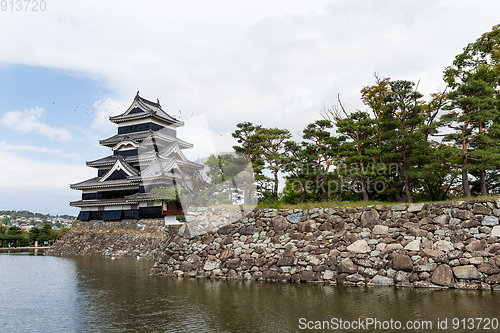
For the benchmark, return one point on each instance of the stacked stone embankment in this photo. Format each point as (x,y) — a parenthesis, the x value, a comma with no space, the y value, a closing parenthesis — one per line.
(126,238)
(435,245)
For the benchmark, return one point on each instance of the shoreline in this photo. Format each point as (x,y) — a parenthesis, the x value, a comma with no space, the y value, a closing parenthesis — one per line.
(25,248)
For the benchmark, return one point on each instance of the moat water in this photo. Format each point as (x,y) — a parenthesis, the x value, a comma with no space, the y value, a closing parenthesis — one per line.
(91,294)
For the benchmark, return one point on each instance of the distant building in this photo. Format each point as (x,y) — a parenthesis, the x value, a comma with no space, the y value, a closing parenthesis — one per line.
(146,154)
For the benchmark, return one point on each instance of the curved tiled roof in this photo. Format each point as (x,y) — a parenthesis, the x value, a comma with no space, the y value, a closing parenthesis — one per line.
(141,136)
(149,109)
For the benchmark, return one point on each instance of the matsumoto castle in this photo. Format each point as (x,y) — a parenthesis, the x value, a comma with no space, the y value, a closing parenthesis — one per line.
(146,154)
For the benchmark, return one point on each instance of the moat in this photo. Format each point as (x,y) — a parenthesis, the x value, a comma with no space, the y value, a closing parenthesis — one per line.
(94,294)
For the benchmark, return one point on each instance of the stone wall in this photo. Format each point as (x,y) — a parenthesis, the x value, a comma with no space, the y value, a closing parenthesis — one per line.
(126,238)
(437,245)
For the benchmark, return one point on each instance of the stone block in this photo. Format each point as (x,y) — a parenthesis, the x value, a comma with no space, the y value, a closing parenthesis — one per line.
(413,245)
(295,218)
(415,208)
(490,221)
(441,219)
(496,231)
(480,209)
(477,245)
(380,280)
(359,246)
(347,266)
(443,276)
(233,263)
(468,272)
(307,226)
(328,275)
(369,218)
(380,230)
(401,262)
(226,254)
(355,278)
(250,230)
(443,245)
(280,224)
(462,214)
(432,253)
(488,269)
(211,265)
(399,207)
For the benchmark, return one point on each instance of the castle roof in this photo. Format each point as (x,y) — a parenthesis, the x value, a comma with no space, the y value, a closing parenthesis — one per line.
(173,150)
(141,136)
(143,108)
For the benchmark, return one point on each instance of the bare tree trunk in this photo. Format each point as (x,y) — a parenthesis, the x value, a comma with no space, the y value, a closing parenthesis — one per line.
(407,190)
(302,192)
(465,182)
(406,180)
(482,178)
(324,193)
(364,194)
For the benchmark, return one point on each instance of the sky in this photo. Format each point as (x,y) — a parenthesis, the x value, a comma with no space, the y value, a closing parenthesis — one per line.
(65,69)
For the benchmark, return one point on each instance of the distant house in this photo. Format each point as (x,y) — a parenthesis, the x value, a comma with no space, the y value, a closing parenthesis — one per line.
(26,227)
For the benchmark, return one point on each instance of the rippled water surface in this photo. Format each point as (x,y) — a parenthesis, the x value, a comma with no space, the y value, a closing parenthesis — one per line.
(89,294)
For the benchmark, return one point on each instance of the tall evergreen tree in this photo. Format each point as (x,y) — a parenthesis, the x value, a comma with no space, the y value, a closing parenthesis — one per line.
(358,147)
(470,115)
(245,135)
(296,168)
(271,150)
(319,148)
(402,117)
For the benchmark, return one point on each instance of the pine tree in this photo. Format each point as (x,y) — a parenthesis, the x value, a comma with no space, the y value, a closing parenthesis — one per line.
(245,135)
(470,114)
(271,150)
(319,148)
(359,147)
(402,116)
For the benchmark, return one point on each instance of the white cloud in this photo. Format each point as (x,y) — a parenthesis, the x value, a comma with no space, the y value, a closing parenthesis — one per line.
(269,63)
(197,131)
(273,63)
(30,174)
(103,110)
(35,149)
(28,121)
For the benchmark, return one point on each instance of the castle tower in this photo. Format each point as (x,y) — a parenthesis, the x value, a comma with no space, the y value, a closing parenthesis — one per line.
(146,154)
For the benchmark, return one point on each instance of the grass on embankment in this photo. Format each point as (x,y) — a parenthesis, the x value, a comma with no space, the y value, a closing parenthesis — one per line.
(332,204)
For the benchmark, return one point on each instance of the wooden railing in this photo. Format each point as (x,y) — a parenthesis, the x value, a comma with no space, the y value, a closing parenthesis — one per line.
(177,211)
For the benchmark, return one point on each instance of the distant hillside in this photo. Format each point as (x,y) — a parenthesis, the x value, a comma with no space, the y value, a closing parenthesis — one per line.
(12,214)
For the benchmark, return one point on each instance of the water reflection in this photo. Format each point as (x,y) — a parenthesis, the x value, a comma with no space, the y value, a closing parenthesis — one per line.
(86,294)
(134,301)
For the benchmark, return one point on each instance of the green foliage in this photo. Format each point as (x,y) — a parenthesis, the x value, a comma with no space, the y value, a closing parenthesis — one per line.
(271,151)
(319,149)
(33,234)
(167,194)
(479,61)
(471,115)
(359,149)
(393,143)
(402,117)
